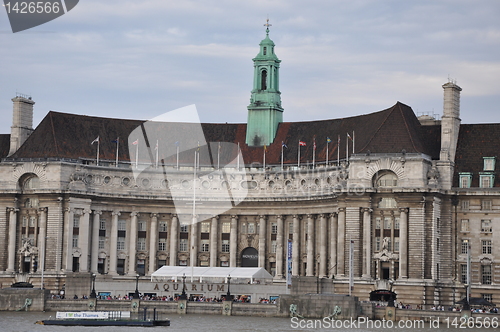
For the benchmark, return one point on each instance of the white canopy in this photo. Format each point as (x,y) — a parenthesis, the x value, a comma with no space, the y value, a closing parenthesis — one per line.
(207,273)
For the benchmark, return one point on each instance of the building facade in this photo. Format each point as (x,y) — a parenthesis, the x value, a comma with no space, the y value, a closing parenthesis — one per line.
(408,195)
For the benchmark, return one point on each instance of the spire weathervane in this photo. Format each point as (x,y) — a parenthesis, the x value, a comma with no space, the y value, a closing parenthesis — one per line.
(267,25)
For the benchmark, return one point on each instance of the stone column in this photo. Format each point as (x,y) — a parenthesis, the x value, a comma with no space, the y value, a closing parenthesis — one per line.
(132,248)
(68,230)
(153,242)
(11,261)
(94,257)
(83,240)
(113,242)
(367,242)
(174,236)
(213,241)
(279,247)
(323,234)
(333,244)
(233,242)
(310,246)
(194,242)
(296,246)
(42,238)
(403,243)
(262,241)
(341,243)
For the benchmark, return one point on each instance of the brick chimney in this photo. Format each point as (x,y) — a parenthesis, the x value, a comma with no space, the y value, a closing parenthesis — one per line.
(22,123)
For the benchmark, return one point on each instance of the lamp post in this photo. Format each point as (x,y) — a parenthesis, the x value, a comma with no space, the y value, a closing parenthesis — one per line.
(228,295)
(183,294)
(92,293)
(136,293)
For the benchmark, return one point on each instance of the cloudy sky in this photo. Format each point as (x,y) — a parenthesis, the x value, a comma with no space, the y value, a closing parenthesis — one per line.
(138,59)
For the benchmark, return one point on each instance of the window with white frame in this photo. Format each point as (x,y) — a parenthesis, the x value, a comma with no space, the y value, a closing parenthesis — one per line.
(486,180)
(102,242)
(141,243)
(488,297)
(464,225)
(377,243)
(387,223)
(25,221)
(486,204)
(396,223)
(489,163)
(396,244)
(184,228)
(102,224)
(463,273)
(274,228)
(76,221)
(377,223)
(122,225)
(486,274)
(141,225)
(225,246)
(226,227)
(183,245)
(464,246)
(251,228)
(205,245)
(486,247)
(32,221)
(464,205)
(162,244)
(75,241)
(163,226)
(465,179)
(243,228)
(273,246)
(205,227)
(485,226)
(120,243)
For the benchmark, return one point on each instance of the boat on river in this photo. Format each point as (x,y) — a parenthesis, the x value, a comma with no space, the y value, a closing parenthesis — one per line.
(103,318)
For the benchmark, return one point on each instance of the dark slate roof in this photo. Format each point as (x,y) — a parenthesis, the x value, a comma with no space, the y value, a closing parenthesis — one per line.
(4,145)
(62,135)
(476,141)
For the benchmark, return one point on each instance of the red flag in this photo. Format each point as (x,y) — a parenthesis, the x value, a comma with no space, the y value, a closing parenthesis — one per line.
(135,142)
(302,143)
(314,144)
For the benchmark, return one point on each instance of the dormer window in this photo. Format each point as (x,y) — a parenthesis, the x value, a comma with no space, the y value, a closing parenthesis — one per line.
(486,180)
(489,163)
(465,179)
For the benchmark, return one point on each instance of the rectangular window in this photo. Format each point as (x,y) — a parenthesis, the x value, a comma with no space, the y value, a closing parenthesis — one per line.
(463,273)
(377,223)
(183,245)
(396,244)
(290,228)
(163,226)
(273,246)
(225,246)
(465,180)
(122,225)
(487,297)
(486,274)
(162,245)
(486,226)
(76,221)
(102,242)
(141,243)
(486,205)
(120,244)
(141,225)
(75,241)
(32,221)
(464,246)
(396,223)
(184,228)
(486,180)
(243,228)
(486,246)
(464,205)
(387,223)
(205,227)
(488,163)
(251,228)
(25,221)
(464,225)
(438,246)
(377,244)
(102,224)
(274,228)
(438,224)
(205,245)
(226,227)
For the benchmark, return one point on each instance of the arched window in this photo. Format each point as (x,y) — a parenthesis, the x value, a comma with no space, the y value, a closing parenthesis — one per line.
(385,179)
(29,182)
(263,81)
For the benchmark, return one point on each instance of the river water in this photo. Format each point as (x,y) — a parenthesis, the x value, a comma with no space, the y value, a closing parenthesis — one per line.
(24,322)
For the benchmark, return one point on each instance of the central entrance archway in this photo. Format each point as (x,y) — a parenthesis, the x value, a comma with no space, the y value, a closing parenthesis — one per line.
(249,257)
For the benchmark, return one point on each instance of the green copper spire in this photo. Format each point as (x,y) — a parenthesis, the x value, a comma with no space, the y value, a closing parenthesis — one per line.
(265,111)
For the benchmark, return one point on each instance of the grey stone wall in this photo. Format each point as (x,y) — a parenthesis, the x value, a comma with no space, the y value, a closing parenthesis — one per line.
(12,299)
(320,305)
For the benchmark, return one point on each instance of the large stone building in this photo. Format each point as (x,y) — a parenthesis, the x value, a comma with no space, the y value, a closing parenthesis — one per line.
(410,194)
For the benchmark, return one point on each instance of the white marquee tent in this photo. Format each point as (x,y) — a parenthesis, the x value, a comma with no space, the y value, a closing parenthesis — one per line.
(214,274)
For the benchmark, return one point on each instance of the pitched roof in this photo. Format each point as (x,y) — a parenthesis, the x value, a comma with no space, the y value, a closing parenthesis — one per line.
(62,135)
(4,145)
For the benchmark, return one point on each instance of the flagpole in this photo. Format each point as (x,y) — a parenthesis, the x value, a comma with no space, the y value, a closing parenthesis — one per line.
(347,148)
(264,169)
(218,157)
(338,151)
(177,156)
(326,164)
(238,160)
(98,144)
(298,157)
(353,142)
(281,155)
(137,154)
(117,145)
(351,266)
(156,164)
(194,209)
(314,152)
